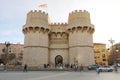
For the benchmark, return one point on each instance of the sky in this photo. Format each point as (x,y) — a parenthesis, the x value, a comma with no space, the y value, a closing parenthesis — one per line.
(105,16)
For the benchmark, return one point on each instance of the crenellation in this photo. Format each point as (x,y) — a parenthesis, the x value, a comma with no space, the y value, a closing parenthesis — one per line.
(35,11)
(58,24)
(37,18)
(79,17)
(85,11)
(76,11)
(79,11)
(31,11)
(62,23)
(38,11)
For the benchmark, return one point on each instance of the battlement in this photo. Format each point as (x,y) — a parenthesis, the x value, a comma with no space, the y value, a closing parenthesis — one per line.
(37,11)
(37,18)
(37,15)
(58,24)
(79,18)
(79,11)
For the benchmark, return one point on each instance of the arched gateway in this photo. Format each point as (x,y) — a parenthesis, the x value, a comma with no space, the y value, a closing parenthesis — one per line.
(58,60)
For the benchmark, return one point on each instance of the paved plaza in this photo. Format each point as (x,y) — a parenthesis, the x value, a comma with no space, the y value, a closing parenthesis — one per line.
(58,75)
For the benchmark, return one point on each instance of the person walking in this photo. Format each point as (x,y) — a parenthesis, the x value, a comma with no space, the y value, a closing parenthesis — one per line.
(98,71)
(81,67)
(25,68)
(115,67)
(5,67)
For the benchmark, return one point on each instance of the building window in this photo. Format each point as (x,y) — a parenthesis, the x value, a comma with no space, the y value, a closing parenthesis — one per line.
(103,63)
(103,55)
(103,50)
(104,59)
(14,50)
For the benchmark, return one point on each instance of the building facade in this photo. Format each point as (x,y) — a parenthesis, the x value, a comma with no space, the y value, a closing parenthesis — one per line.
(58,43)
(114,56)
(101,54)
(14,51)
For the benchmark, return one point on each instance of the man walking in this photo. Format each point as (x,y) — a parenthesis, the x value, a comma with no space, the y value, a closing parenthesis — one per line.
(25,68)
(98,71)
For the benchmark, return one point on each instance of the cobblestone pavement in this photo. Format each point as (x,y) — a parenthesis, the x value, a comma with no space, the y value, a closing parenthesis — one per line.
(59,75)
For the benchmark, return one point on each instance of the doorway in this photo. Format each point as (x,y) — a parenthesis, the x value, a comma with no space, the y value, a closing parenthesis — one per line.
(58,60)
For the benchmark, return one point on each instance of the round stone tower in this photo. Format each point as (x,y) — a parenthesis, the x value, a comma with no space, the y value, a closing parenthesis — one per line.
(36,41)
(80,32)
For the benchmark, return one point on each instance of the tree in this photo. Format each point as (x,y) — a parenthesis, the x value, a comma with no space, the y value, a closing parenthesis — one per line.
(1,61)
(3,58)
(11,56)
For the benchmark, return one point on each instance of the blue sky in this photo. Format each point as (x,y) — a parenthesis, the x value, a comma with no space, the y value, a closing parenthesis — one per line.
(105,15)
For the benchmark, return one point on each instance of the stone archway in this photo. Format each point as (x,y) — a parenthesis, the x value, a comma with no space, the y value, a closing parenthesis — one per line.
(58,60)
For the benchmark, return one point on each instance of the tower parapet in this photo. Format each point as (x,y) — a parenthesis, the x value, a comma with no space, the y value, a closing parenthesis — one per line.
(37,18)
(79,18)
(37,21)
(58,27)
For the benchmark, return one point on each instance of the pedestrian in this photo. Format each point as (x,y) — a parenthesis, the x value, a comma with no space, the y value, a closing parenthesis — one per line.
(75,67)
(5,67)
(115,67)
(81,67)
(98,71)
(25,68)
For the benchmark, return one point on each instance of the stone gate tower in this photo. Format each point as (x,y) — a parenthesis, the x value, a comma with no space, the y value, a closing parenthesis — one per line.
(58,43)
(36,41)
(80,32)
